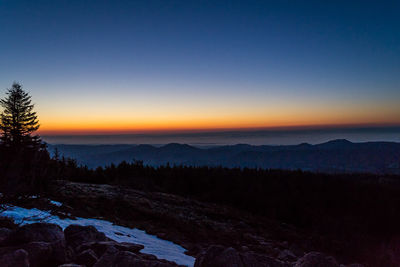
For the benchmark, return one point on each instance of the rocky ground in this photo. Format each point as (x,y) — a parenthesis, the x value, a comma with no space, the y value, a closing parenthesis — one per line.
(43,244)
(215,235)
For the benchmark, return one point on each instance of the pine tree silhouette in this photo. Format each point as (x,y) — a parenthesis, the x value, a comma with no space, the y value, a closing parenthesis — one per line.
(18,120)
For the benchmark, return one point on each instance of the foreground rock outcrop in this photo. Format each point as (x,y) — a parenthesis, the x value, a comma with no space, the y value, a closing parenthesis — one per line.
(11,257)
(316,259)
(44,243)
(213,234)
(218,256)
(47,245)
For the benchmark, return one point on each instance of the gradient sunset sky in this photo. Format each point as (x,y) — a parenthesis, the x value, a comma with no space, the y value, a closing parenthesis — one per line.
(132,66)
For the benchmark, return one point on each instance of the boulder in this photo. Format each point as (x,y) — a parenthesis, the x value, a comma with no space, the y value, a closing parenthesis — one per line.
(4,234)
(71,265)
(76,235)
(107,258)
(316,259)
(40,254)
(218,256)
(287,255)
(45,254)
(11,257)
(148,256)
(251,259)
(8,223)
(125,246)
(87,258)
(36,232)
(123,258)
(114,258)
(39,238)
(100,247)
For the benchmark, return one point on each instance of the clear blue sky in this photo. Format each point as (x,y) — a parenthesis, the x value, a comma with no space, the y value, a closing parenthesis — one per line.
(149,65)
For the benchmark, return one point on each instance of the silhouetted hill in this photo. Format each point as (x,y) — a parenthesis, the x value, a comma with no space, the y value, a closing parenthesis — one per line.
(332,156)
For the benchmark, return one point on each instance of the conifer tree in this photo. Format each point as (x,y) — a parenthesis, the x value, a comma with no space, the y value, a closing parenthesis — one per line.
(18,120)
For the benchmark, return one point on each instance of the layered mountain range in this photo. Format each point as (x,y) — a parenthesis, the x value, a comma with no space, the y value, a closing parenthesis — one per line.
(333,157)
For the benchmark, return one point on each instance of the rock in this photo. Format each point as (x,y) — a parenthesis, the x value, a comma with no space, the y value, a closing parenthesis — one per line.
(4,234)
(71,265)
(36,232)
(107,258)
(251,259)
(45,254)
(87,258)
(148,257)
(125,246)
(76,235)
(40,254)
(316,259)
(287,255)
(8,223)
(11,257)
(245,248)
(296,250)
(100,247)
(36,238)
(70,254)
(218,256)
(114,258)
(122,258)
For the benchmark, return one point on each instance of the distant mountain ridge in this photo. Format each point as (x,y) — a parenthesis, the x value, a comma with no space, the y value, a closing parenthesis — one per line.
(334,156)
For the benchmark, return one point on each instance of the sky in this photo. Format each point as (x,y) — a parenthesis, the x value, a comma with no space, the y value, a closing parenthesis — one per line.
(148,66)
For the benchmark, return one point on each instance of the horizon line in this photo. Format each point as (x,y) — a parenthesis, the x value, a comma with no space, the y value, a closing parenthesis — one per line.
(215,130)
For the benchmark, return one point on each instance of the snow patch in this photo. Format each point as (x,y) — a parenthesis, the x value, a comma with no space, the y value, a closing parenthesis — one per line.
(162,249)
(56,203)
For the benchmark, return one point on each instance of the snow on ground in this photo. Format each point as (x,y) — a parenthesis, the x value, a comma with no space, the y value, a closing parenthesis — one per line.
(162,249)
(56,203)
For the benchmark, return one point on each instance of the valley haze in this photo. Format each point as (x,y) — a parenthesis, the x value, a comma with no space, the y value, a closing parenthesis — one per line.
(333,150)
(336,156)
(275,136)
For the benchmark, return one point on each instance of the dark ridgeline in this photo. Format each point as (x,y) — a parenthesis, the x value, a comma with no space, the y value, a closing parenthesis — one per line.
(22,154)
(336,156)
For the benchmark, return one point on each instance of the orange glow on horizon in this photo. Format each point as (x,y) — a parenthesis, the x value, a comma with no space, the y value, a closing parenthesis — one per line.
(162,129)
(171,117)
